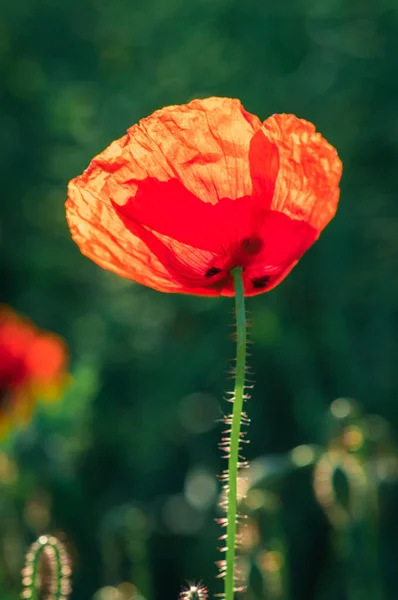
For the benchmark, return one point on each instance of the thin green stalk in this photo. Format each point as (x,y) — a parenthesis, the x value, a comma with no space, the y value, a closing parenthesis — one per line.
(233,459)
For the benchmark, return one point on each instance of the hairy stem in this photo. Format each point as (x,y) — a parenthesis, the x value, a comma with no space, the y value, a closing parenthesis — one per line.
(233,459)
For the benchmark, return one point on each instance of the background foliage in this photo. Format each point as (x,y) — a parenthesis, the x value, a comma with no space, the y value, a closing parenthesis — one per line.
(125,467)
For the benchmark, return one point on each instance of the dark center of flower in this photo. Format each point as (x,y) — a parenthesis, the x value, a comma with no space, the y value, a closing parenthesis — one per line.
(212,271)
(241,256)
(260,282)
(251,245)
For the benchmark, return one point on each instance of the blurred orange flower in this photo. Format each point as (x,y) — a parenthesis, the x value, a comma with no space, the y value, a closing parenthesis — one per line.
(33,366)
(195,190)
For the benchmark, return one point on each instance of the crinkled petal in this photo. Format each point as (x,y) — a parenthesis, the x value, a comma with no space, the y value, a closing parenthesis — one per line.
(103,236)
(203,144)
(187,194)
(161,175)
(307,186)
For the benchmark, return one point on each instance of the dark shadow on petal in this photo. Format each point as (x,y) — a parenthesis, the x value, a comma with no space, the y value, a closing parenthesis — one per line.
(264,168)
(188,268)
(285,239)
(168,208)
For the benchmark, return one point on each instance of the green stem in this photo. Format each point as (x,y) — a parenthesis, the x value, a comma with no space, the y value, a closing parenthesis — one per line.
(57,578)
(233,460)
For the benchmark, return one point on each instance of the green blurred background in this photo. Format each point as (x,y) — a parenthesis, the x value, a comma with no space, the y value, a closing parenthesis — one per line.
(124,468)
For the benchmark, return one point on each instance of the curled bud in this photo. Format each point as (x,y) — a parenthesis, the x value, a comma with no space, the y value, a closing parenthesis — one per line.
(47,568)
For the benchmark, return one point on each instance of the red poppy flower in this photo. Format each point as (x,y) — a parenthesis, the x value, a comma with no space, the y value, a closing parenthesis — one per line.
(32,366)
(195,190)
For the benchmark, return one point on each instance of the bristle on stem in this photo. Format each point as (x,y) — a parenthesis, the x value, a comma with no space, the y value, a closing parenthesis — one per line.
(231,445)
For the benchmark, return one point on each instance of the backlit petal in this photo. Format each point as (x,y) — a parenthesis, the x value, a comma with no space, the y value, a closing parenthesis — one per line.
(103,236)
(203,144)
(307,186)
(195,190)
(161,175)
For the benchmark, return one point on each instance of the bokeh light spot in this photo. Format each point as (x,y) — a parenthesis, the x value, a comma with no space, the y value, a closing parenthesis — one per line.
(200,488)
(302,455)
(341,408)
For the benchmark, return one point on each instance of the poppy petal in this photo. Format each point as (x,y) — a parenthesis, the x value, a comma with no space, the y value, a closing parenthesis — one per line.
(194,190)
(31,362)
(200,151)
(203,144)
(264,168)
(166,207)
(102,236)
(285,240)
(307,186)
